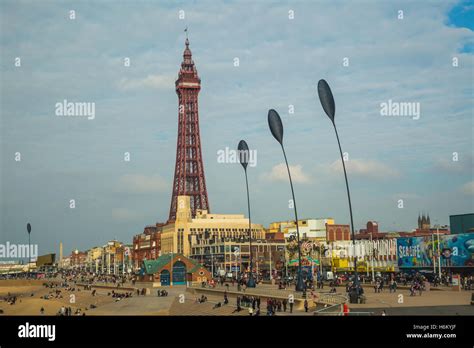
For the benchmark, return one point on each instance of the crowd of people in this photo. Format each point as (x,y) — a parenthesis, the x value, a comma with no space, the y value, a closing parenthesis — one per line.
(253,304)
(118,296)
(10,299)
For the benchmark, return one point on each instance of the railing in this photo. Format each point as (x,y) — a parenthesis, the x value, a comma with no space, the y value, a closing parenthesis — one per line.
(333,299)
(341,314)
(360,313)
(331,310)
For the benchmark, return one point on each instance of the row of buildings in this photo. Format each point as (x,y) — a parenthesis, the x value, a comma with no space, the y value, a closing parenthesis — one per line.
(220,242)
(112,258)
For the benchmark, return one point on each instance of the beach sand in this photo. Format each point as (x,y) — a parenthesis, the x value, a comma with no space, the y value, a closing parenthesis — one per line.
(106,305)
(31,305)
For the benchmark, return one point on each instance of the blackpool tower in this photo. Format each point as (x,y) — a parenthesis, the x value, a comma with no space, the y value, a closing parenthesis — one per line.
(189,177)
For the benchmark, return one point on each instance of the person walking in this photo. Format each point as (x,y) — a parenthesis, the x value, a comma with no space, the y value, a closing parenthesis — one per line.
(306,305)
(345,309)
(291,302)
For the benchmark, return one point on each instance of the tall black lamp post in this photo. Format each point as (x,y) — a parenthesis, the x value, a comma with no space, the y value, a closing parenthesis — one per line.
(327,102)
(276,127)
(28,228)
(243,151)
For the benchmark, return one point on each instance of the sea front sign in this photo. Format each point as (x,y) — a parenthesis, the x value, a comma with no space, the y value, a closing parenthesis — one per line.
(455,250)
(406,251)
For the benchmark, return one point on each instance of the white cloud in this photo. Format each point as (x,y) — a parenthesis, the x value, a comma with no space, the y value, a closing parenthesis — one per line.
(280,173)
(468,188)
(463,164)
(365,168)
(136,183)
(151,81)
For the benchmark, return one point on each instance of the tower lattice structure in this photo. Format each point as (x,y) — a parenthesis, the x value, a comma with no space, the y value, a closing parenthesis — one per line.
(189,177)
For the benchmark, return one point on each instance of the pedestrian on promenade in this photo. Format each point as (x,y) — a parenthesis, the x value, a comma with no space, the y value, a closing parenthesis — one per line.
(393,286)
(250,311)
(291,302)
(345,309)
(306,305)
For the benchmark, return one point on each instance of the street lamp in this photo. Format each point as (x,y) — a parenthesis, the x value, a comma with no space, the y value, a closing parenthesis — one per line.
(28,228)
(244,155)
(276,127)
(327,102)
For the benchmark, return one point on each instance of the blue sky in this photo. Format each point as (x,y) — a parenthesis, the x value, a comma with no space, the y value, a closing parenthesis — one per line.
(281,61)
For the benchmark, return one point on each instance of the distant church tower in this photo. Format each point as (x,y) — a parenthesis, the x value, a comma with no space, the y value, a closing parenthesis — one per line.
(424,222)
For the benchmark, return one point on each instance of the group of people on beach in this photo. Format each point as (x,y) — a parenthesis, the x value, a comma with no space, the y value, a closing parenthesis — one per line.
(10,299)
(118,296)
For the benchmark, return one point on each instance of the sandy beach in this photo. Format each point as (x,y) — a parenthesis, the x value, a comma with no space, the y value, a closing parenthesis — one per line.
(30,299)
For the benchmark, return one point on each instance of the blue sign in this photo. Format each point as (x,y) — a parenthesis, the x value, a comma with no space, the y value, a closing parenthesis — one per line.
(455,251)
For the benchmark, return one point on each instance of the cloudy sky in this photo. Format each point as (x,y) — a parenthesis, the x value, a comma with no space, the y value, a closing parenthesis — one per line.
(283,49)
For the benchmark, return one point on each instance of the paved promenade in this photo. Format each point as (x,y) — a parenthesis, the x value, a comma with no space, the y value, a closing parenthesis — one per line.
(182,300)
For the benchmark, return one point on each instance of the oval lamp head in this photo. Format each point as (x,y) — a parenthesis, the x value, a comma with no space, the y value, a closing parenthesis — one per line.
(326,98)
(243,150)
(28,227)
(276,127)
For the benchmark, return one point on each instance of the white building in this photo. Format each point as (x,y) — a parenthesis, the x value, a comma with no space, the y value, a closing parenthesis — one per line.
(313,229)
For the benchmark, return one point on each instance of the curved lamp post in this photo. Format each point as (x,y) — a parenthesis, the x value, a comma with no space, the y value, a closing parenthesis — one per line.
(327,102)
(243,151)
(276,127)
(28,228)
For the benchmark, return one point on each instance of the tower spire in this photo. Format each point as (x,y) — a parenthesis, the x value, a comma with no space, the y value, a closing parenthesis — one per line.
(189,177)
